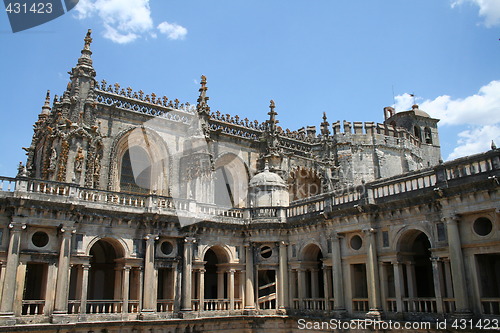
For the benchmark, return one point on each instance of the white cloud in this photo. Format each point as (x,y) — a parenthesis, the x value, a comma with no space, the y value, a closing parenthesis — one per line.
(489,9)
(479,112)
(123,20)
(476,140)
(172,30)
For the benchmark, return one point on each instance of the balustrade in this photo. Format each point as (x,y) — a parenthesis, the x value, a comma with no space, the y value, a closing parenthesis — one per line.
(165,305)
(104,306)
(360,304)
(33,307)
(420,304)
(490,305)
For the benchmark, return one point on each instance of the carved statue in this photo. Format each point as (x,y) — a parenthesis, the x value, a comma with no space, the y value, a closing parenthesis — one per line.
(79,160)
(53,159)
(97,165)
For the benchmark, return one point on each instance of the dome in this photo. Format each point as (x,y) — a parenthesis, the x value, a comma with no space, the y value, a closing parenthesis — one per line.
(267,178)
(419,112)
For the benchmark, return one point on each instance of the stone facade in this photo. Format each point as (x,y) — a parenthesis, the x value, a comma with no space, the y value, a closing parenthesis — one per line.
(136,207)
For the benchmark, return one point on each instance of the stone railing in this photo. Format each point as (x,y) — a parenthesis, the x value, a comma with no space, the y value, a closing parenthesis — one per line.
(314,303)
(165,305)
(7,184)
(490,305)
(360,304)
(33,307)
(420,304)
(170,111)
(410,183)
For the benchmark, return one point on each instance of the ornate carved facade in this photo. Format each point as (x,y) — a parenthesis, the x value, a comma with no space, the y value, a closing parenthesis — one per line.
(139,207)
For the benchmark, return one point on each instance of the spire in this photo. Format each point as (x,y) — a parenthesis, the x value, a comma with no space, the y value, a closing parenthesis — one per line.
(272,117)
(46,106)
(202,106)
(493,145)
(324,126)
(86,53)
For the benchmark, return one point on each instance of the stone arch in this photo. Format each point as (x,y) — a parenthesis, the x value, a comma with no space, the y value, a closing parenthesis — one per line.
(156,149)
(223,253)
(231,179)
(427,135)
(119,245)
(310,251)
(407,235)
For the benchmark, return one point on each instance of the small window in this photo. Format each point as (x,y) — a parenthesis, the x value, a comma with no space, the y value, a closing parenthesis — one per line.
(356,242)
(266,252)
(40,239)
(294,250)
(167,248)
(483,226)
(385,238)
(416,131)
(441,233)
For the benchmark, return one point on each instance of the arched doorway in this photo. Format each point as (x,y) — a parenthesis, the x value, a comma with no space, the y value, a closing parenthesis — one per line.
(219,290)
(311,281)
(418,290)
(104,280)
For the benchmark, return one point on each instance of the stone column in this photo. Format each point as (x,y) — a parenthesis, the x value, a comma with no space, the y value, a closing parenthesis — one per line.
(372,274)
(249,289)
(139,287)
(20,284)
(187,274)
(2,275)
(338,284)
(314,283)
(302,286)
(9,287)
(85,284)
(201,290)
(220,284)
(242,289)
(283,276)
(410,275)
(398,285)
(230,282)
(150,283)
(125,287)
(117,293)
(293,287)
(327,283)
(447,276)
(457,266)
(383,284)
(63,271)
(438,290)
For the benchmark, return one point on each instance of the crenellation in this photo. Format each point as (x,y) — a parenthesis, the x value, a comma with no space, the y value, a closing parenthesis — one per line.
(347,127)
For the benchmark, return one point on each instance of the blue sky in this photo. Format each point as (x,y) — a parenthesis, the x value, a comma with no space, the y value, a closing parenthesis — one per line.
(343,57)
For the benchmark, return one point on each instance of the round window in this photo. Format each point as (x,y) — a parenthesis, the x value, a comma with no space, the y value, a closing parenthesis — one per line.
(166,248)
(266,252)
(356,242)
(482,226)
(40,239)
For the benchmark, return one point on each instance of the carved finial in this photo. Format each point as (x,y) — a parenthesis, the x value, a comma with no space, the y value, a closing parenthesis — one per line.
(88,40)
(272,114)
(325,131)
(46,105)
(493,145)
(21,170)
(202,105)
(86,53)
